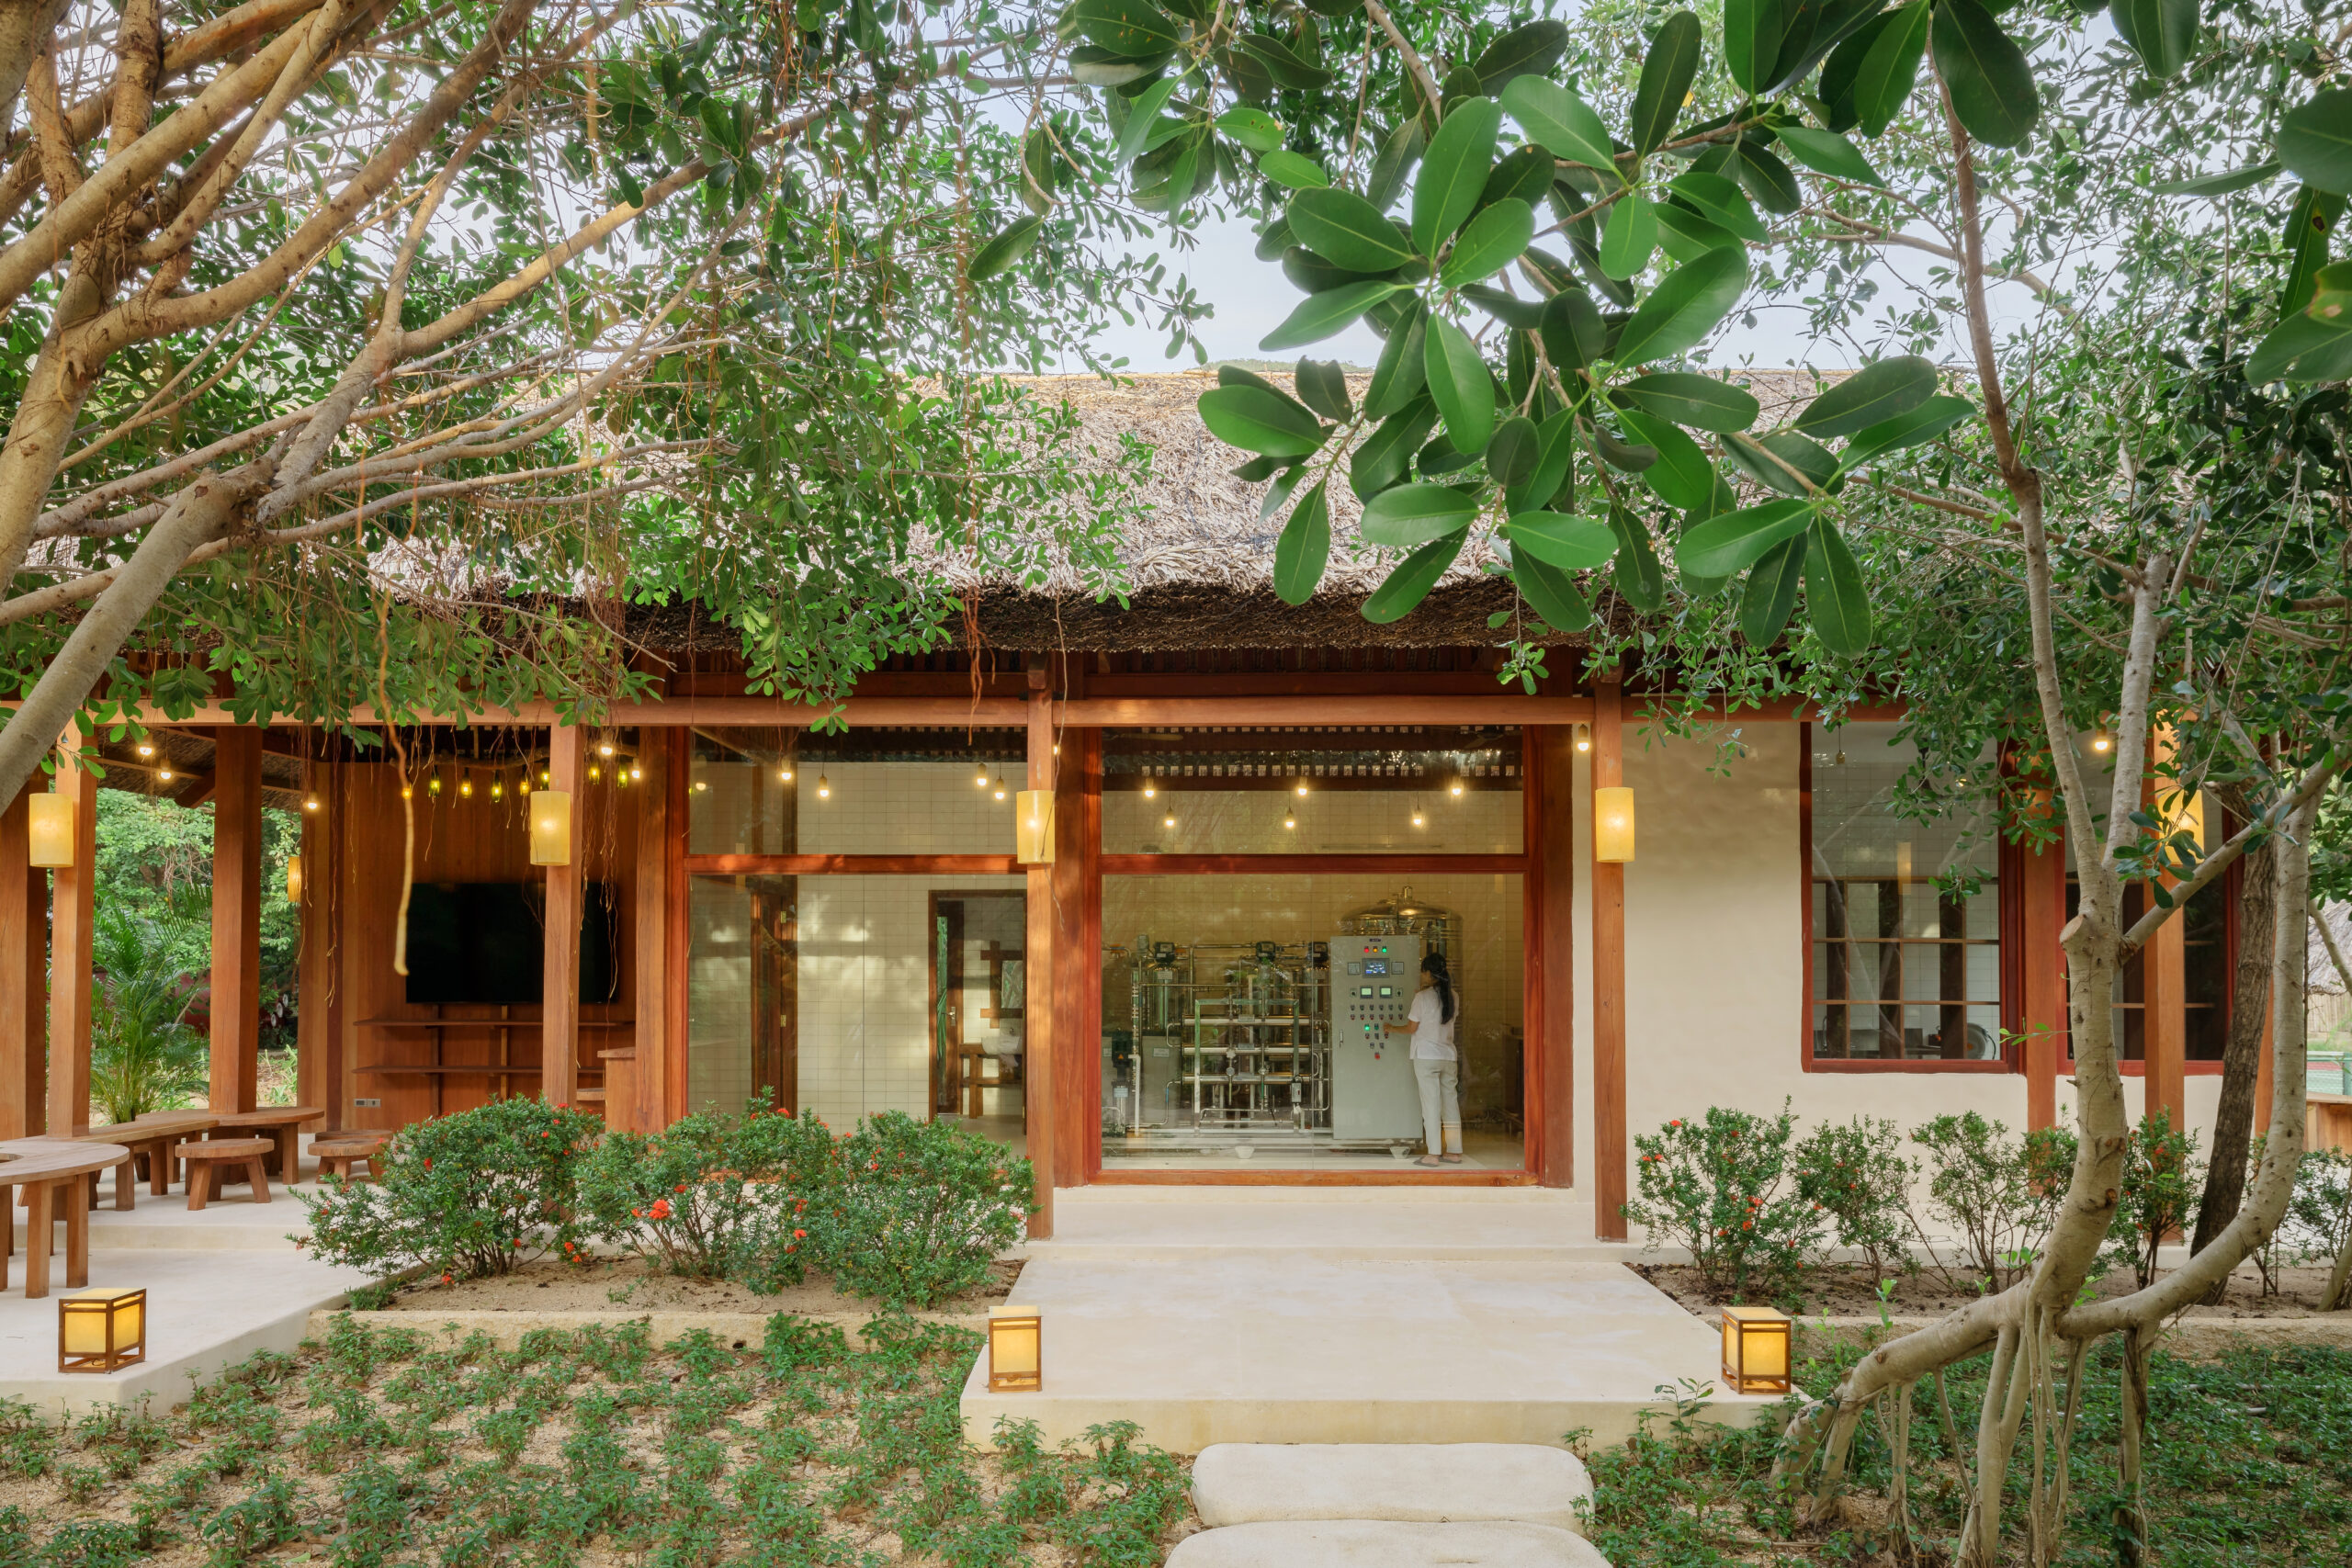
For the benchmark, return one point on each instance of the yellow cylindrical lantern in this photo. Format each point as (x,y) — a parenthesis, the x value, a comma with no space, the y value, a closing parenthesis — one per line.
(1016,1348)
(1612,824)
(293,879)
(98,1331)
(552,828)
(1034,827)
(1756,1349)
(49,829)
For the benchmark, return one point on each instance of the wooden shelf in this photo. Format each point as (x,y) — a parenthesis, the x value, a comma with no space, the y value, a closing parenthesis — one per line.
(436,1070)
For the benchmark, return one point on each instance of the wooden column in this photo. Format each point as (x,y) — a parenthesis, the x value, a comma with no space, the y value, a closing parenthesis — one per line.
(1549,752)
(2165,993)
(318,1020)
(236,919)
(73,915)
(633,1089)
(1076,1093)
(24,975)
(1609,1146)
(1039,1056)
(2042,1013)
(559,1006)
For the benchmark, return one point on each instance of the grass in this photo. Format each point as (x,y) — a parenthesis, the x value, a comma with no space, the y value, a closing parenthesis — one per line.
(2250,1459)
(377,1447)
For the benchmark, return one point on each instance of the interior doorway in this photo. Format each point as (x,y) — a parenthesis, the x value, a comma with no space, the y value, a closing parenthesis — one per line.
(978,1006)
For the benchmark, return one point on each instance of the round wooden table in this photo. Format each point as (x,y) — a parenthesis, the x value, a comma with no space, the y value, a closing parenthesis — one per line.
(152,1136)
(52,1170)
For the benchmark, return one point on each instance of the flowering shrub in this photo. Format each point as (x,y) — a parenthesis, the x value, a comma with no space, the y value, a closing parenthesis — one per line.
(463,1196)
(1858,1177)
(1997,1193)
(714,1196)
(2162,1179)
(1721,1187)
(920,1210)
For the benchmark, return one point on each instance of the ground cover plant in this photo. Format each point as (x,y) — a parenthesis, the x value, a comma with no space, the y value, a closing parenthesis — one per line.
(374,1446)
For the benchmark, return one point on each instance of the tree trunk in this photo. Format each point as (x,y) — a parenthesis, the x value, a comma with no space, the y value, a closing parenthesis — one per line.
(2242,1054)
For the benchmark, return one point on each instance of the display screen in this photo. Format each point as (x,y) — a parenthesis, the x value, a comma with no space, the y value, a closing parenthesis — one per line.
(1387,991)
(1375,966)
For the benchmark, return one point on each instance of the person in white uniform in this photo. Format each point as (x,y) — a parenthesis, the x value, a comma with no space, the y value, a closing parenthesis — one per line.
(1437,1065)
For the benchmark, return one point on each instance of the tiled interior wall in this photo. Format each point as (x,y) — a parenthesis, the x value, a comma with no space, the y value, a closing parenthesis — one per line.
(1486,818)
(870,808)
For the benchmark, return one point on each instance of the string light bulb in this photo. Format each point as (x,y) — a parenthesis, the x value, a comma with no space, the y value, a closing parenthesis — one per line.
(2102,743)
(498,789)
(1150,790)
(165,773)
(310,803)
(635,771)
(604,747)
(1000,784)
(824,787)
(1418,819)
(433,783)
(1168,821)
(407,794)
(146,748)
(594,772)
(1584,737)
(466,788)
(784,775)
(1299,788)
(1290,820)
(980,778)
(523,787)
(1455,788)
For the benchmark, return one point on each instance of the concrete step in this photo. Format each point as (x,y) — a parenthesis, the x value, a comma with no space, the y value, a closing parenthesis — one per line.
(1365,1543)
(1522,1224)
(1240,1484)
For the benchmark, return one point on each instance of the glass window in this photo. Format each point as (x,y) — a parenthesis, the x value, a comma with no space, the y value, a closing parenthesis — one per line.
(870,790)
(1244,1018)
(1432,789)
(1906,937)
(851,995)
(2206,971)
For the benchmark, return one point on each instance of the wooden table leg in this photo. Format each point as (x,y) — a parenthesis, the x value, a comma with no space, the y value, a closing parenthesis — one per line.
(289,1155)
(260,1174)
(126,1185)
(200,1182)
(39,1237)
(159,1167)
(77,1240)
(7,1233)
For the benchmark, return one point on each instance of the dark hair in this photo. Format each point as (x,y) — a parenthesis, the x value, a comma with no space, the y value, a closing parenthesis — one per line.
(1433,966)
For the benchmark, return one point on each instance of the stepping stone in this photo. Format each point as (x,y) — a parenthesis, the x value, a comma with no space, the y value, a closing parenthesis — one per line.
(1239,1483)
(1378,1543)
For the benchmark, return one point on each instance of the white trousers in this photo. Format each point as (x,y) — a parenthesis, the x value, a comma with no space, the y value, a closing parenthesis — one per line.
(1441,1086)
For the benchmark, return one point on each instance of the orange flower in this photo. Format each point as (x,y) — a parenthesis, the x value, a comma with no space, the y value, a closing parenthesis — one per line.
(661,1208)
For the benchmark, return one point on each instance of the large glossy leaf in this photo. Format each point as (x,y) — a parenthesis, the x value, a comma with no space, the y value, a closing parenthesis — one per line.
(1512,453)
(1788,462)
(2300,349)
(1869,396)
(1526,315)
(1001,252)
(1682,310)
(1826,152)
(1836,599)
(1143,118)
(1399,376)
(1489,243)
(1770,182)
(1771,595)
(2310,224)
(1311,274)
(1327,314)
(1636,571)
(1414,514)
(1912,428)
(1454,171)
(1125,27)
(1394,159)
(1810,29)
(1560,122)
(2227,183)
(1751,40)
(1530,49)
(1890,69)
(1285,64)
(1721,203)
(1630,237)
(1410,583)
(1573,332)
(1349,230)
(1666,71)
(2315,141)
(1685,236)
(1571,544)
(1702,402)
(1260,420)
(1293,170)
(1304,548)
(1461,384)
(1549,593)
(1683,476)
(1556,448)
(1736,540)
(1100,67)
(1253,129)
(1380,460)
(1323,387)
(1986,73)
(2161,32)
(1630,457)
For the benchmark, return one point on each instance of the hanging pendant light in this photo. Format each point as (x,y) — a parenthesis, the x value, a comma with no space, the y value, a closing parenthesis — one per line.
(824,787)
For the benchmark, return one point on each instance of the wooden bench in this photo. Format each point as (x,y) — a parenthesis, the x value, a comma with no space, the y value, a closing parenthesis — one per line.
(147,1138)
(281,1122)
(253,1153)
(336,1153)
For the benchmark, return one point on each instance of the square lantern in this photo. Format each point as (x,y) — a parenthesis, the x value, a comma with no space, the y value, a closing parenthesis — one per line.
(1016,1350)
(49,829)
(1612,824)
(552,828)
(101,1330)
(1756,1349)
(1034,827)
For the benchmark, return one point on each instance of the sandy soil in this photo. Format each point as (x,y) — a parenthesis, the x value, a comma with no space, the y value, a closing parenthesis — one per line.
(626,1285)
(1850,1291)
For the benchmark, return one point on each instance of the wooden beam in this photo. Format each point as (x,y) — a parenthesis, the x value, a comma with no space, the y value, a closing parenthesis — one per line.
(1609,1146)
(1549,895)
(235,1076)
(1318,712)
(318,1002)
(24,975)
(639,1107)
(72,931)
(1076,1093)
(1038,1064)
(198,792)
(559,1006)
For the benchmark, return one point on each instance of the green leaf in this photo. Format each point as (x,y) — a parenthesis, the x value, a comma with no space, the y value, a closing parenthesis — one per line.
(1530,49)
(1570,544)
(1766,178)
(1235,375)
(1572,332)
(1311,274)
(1869,396)
(1639,579)
(2310,224)
(1555,449)
(1526,315)
(1550,595)
(1253,129)
(1323,387)
(1131,28)
(1293,170)
(1720,201)
(1736,540)
(1303,550)
(1770,597)
(1512,453)
(1751,40)
(1826,152)
(1525,172)
(1811,29)
(1683,476)
(2222,184)
(1380,460)
(1143,118)
(1010,244)
(1491,242)
(1914,428)
(1396,157)
(1631,457)
(1350,231)
(1702,402)
(1685,236)
(2300,349)
(1561,123)
(1890,69)
(1327,314)
(1098,67)
(1788,462)
(1987,74)
(2315,141)
(1454,172)
(1399,377)
(1836,599)
(1682,310)
(1631,236)
(2162,33)
(1286,65)
(1414,514)
(1278,493)
(1666,71)
(1411,581)
(1462,386)
(1256,419)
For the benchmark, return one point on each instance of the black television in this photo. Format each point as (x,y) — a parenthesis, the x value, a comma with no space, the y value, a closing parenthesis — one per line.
(484,943)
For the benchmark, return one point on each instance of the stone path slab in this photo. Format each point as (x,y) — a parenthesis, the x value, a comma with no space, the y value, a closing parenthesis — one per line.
(1362,1543)
(1239,1483)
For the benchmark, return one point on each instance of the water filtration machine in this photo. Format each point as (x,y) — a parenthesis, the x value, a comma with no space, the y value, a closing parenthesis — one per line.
(1373,980)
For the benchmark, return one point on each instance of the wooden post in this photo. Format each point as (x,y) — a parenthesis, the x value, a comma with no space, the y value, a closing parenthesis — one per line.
(318,1002)
(559,1006)
(236,919)
(633,1096)
(24,975)
(71,931)
(1037,1049)
(1549,778)
(1609,1147)
(1075,1091)
(2042,1007)
(2165,996)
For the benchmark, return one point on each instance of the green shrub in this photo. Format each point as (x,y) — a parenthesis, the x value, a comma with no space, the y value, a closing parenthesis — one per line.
(1721,1187)
(463,1196)
(713,1196)
(1855,1174)
(245,1530)
(2162,1180)
(1981,1185)
(920,1210)
(2318,1222)
(143,1054)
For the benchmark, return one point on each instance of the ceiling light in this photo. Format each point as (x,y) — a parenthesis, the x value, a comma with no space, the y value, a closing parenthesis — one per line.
(824,787)
(1167,822)
(1457,788)
(1290,818)
(1584,737)
(498,789)
(165,773)
(1150,790)
(311,802)
(1418,819)
(433,783)
(784,775)
(980,778)
(466,788)
(146,748)
(604,749)
(1300,788)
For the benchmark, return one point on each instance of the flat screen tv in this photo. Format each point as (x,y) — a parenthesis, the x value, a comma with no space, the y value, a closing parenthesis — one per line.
(484,943)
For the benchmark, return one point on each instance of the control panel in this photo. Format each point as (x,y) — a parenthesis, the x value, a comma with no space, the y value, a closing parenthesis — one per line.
(1372,981)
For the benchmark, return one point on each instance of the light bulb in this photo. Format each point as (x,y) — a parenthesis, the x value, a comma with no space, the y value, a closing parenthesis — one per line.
(1584,737)
(1167,822)
(146,748)
(407,794)
(498,789)
(1301,786)
(1290,820)
(545,778)
(1416,819)
(433,784)
(1456,788)
(701,784)
(466,788)
(523,785)
(824,787)
(2102,743)
(594,772)
(784,775)
(1150,790)
(165,773)
(604,749)
(980,779)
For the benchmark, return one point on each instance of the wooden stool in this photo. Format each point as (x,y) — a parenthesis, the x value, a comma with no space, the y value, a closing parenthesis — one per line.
(339,1154)
(250,1153)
